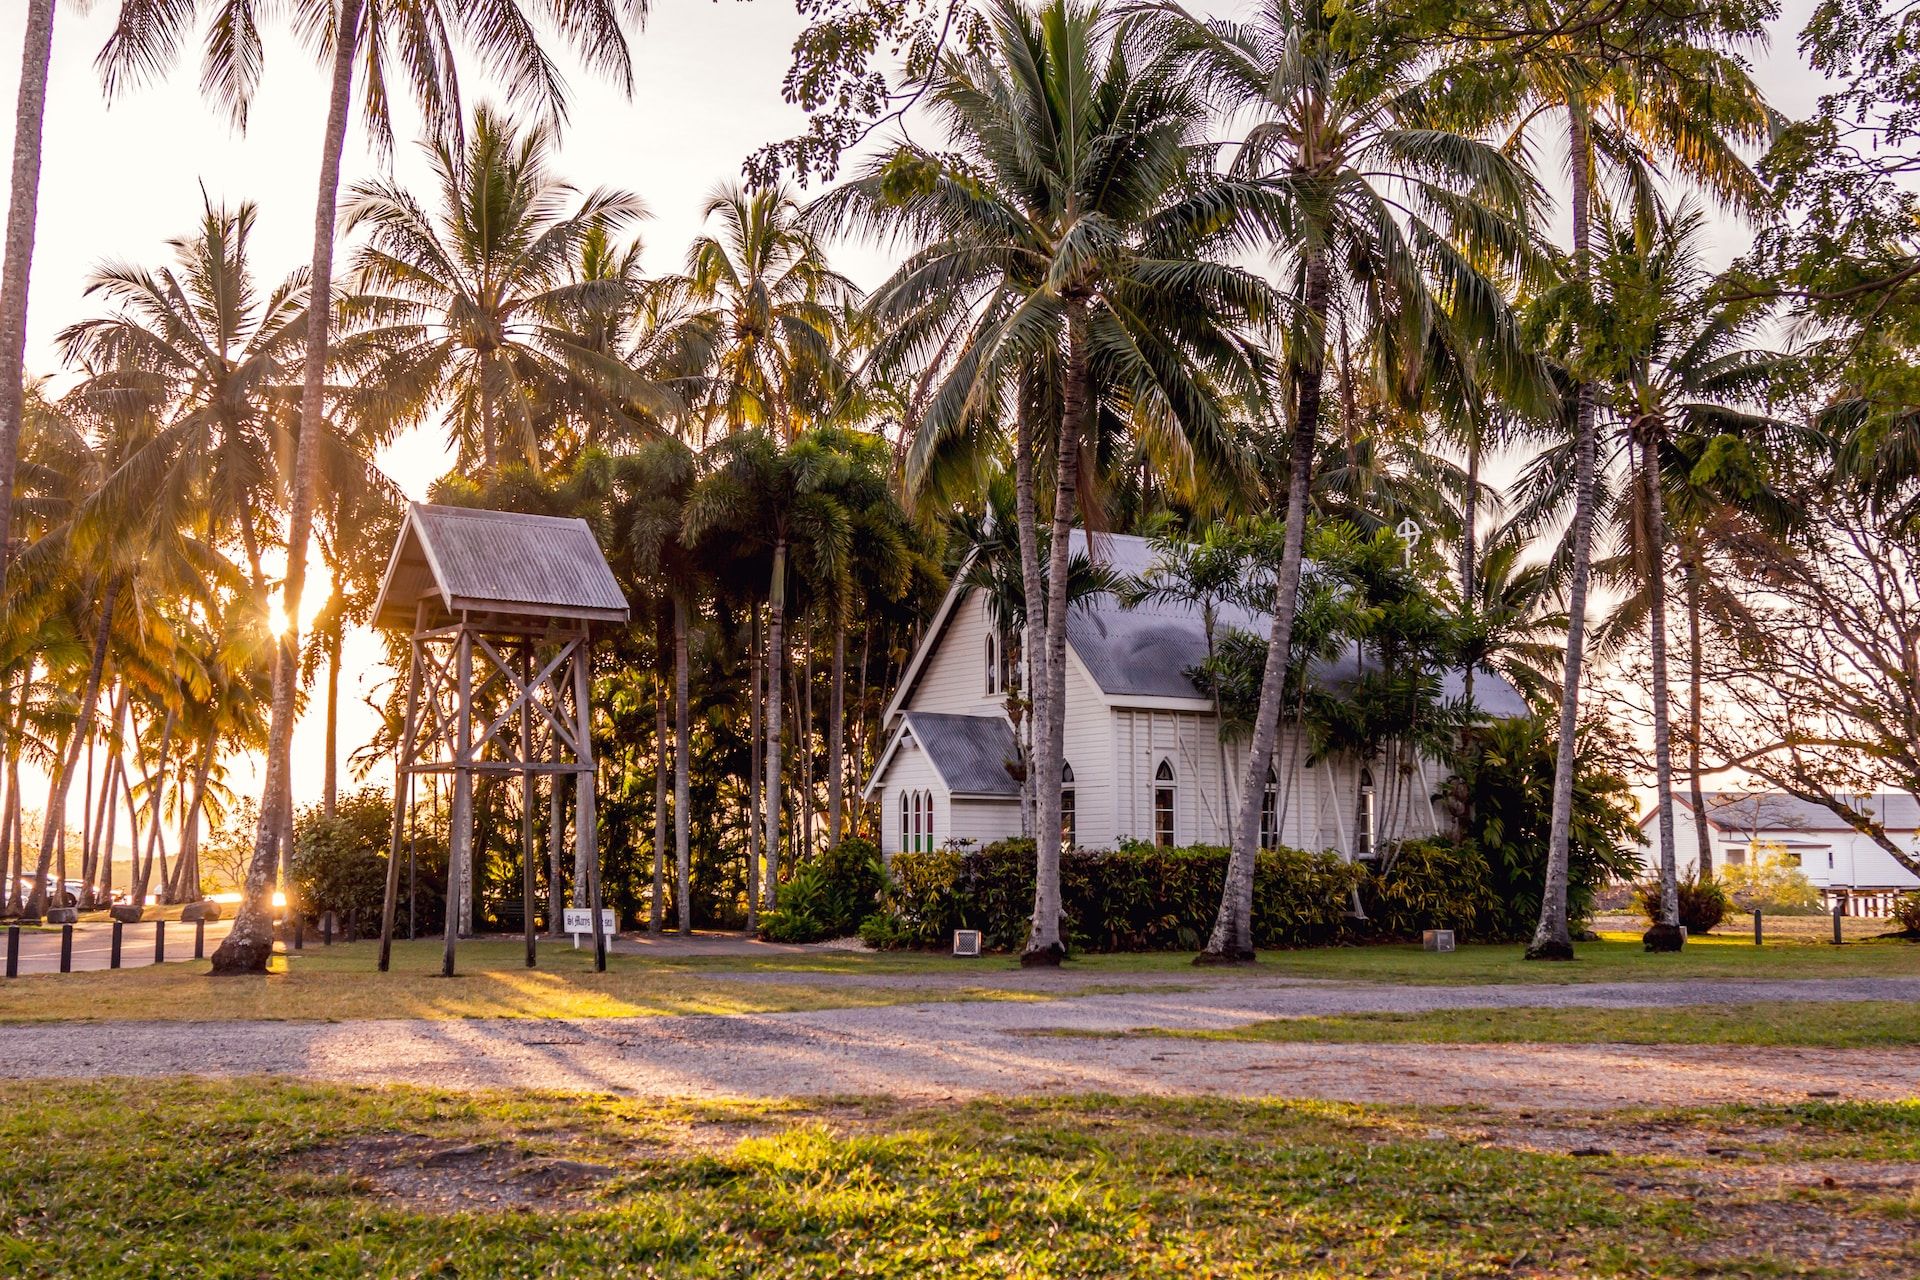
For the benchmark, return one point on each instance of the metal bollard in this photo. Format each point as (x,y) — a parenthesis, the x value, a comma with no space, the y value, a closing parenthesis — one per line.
(1758,938)
(13,951)
(159,941)
(1837,911)
(199,939)
(66,948)
(113,957)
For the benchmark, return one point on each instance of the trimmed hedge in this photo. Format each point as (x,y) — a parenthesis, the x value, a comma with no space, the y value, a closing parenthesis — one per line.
(1433,884)
(1139,898)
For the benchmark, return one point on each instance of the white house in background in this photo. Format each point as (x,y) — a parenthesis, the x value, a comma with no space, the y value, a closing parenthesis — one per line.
(1143,753)
(1845,865)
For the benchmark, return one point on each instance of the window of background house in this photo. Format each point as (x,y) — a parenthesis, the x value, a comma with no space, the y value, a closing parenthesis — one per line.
(1163,804)
(993,664)
(1270,812)
(906,822)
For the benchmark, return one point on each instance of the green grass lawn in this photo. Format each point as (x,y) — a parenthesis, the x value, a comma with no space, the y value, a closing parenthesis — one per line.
(1853,1024)
(340,982)
(244,1178)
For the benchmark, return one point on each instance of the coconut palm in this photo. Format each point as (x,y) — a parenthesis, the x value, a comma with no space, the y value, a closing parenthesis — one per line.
(1066,275)
(468,304)
(367,37)
(771,308)
(23,205)
(200,335)
(1667,89)
(1385,217)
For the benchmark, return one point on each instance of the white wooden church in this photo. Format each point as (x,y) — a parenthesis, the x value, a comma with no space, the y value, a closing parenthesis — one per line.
(1144,759)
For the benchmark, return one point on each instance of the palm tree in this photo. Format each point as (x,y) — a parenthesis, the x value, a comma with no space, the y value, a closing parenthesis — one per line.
(1669,361)
(354,35)
(1384,214)
(772,309)
(218,352)
(1675,92)
(1065,271)
(469,304)
(23,206)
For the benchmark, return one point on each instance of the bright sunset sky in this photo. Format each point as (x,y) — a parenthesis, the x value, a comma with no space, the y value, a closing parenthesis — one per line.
(121,179)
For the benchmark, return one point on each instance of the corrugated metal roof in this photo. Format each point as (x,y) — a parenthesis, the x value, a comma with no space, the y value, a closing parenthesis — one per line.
(971,753)
(1146,651)
(1776,811)
(498,562)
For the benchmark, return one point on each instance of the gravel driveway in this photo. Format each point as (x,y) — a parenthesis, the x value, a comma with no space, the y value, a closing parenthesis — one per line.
(958,1049)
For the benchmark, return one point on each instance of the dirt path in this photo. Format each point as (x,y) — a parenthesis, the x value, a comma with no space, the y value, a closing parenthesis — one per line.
(960,1049)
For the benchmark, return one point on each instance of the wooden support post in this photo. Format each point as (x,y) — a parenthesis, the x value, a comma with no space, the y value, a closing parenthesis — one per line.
(66,948)
(460,837)
(556,842)
(199,939)
(159,941)
(113,950)
(584,819)
(402,800)
(526,797)
(1839,910)
(13,951)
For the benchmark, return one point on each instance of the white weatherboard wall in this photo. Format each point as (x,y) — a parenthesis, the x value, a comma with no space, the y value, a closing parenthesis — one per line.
(955,677)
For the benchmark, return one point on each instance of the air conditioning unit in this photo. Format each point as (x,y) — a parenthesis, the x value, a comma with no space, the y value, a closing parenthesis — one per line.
(966,942)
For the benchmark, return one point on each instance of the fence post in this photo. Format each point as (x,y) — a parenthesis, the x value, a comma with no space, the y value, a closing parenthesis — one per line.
(66,948)
(159,941)
(13,951)
(1758,939)
(199,939)
(326,928)
(1837,912)
(113,956)
(299,931)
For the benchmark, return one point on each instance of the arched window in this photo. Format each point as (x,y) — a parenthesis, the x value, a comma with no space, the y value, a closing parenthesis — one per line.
(1163,804)
(918,821)
(1067,836)
(1270,812)
(906,822)
(927,831)
(1364,828)
(993,663)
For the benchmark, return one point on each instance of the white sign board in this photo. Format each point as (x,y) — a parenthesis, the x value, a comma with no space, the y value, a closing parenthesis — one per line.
(580,920)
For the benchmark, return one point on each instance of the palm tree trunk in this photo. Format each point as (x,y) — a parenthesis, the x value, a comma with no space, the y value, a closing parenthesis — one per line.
(1694,685)
(776,672)
(158,780)
(1032,650)
(110,816)
(1232,937)
(1553,938)
(1665,935)
(56,818)
(330,775)
(247,948)
(662,747)
(682,769)
(803,734)
(1044,945)
(1470,541)
(23,209)
(186,870)
(837,736)
(755,664)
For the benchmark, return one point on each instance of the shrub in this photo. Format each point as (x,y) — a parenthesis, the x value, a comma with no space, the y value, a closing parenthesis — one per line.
(1772,884)
(1501,795)
(1906,913)
(829,897)
(1137,898)
(340,863)
(1703,903)
(1431,884)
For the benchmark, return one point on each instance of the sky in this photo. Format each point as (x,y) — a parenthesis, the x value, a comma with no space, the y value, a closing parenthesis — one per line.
(121,178)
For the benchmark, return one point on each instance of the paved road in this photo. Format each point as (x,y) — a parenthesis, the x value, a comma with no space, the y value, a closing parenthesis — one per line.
(945,1050)
(93,945)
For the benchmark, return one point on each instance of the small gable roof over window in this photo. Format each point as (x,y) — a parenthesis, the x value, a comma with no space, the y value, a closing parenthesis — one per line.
(501,562)
(970,753)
